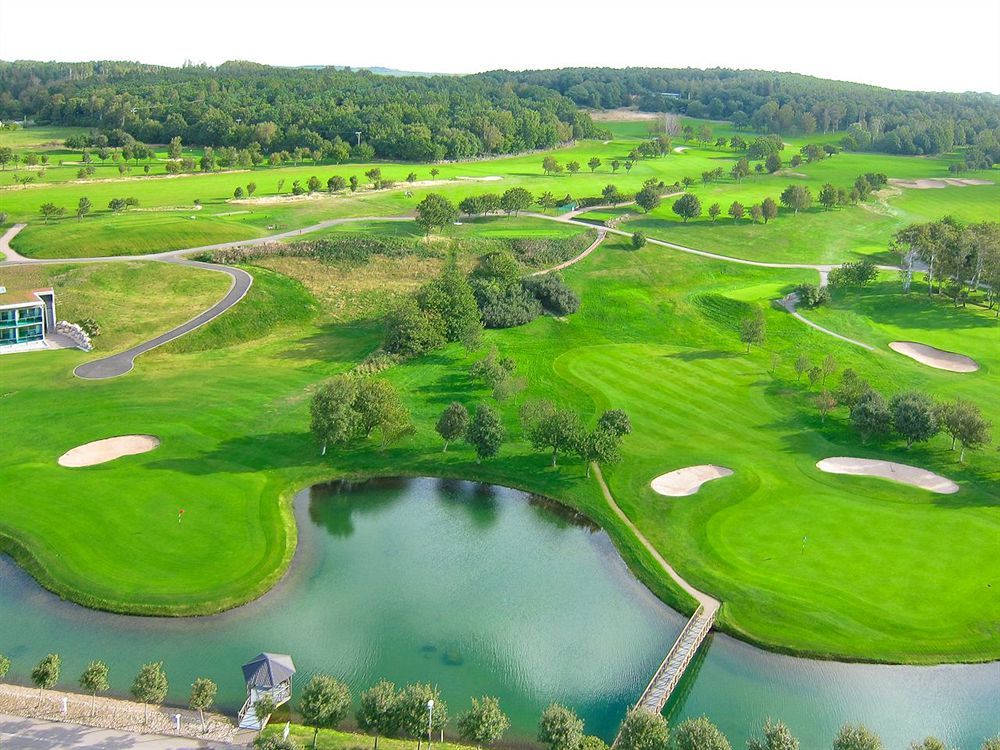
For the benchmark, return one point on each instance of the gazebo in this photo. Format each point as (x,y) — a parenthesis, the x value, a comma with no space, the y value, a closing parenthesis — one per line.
(265,674)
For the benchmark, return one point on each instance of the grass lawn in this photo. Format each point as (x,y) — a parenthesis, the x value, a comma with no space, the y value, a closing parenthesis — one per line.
(655,335)
(172,200)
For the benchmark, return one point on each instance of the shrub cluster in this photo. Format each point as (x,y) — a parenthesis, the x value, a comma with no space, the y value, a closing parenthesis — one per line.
(348,249)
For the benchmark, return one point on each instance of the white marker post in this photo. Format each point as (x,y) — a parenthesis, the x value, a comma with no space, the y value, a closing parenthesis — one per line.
(65,705)
(177,723)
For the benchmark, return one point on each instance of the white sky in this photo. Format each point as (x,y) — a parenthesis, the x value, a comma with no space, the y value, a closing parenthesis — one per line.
(950,45)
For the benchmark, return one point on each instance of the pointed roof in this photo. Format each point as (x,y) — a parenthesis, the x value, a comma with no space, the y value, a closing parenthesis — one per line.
(267,670)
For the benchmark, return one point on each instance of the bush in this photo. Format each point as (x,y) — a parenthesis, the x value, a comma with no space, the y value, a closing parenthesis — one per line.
(551,291)
(811,295)
(541,252)
(859,273)
(347,249)
(506,306)
(90,326)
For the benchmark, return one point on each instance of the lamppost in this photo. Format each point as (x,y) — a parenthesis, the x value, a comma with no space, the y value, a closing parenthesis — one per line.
(430,722)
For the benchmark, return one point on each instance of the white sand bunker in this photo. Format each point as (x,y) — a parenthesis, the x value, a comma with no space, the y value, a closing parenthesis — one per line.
(932,184)
(102,451)
(890,470)
(688,480)
(932,357)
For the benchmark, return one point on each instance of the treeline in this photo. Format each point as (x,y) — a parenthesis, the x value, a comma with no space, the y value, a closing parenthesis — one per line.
(962,260)
(878,119)
(241,104)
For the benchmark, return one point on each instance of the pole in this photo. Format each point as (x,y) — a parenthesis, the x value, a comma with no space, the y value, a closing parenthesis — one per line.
(430,723)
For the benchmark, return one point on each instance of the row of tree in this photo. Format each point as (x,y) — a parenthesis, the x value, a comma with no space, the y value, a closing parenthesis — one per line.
(50,210)
(960,258)
(149,686)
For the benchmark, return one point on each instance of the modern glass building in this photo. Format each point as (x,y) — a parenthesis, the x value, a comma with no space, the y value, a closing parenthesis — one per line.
(26,316)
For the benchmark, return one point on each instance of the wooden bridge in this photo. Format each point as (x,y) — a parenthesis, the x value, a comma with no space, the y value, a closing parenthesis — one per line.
(665,679)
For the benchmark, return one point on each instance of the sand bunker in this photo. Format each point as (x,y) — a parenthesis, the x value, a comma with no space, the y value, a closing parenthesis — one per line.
(102,451)
(680,149)
(926,184)
(938,358)
(890,470)
(688,480)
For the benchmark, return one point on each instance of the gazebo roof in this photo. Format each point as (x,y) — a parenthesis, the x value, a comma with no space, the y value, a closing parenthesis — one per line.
(267,670)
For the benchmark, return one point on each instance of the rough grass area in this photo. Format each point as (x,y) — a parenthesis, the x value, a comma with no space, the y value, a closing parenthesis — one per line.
(115,296)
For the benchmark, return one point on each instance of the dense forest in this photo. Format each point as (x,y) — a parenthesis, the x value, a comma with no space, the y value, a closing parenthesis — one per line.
(427,118)
(876,119)
(239,104)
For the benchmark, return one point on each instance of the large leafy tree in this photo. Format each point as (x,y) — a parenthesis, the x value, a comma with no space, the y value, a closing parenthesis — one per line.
(435,212)
(559,728)
(776,736)
(486,432)
(914,416)
(453,423)
(483,724)
(860,737)
(687,206)
(325,702)
(643,729)
(377,714)
(699,734)
(149,686)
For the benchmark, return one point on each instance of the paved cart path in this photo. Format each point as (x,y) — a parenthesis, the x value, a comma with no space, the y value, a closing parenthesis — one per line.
(18,733)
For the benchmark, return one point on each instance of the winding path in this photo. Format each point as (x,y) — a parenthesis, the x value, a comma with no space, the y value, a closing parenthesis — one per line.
(123,362)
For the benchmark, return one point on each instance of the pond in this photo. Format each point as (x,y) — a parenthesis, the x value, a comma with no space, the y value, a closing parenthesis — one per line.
(489,591)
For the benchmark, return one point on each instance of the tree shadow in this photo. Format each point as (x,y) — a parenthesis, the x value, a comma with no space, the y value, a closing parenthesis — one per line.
(695,355)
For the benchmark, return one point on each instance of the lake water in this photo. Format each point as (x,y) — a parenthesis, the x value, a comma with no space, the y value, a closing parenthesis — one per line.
(487,590)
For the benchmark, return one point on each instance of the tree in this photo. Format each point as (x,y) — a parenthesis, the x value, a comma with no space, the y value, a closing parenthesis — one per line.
(714,210)
(486,432)
(376,712)
(435,172)
(174,149)
(546,427)
(353,183)
(83,207)
(825,402)
(4,666)
(333,420)
(828,196)
(615,421)
(325,702)
(687,206)
(263,707)
(756,213)
(95,680)
(928,743)
(870,416)
(335,184)
(857,737)
(776,736)
(615,165)
(964,423)
(6,156)
(559,728)
(435,212)
(736,210)
(753,328)
(414,718)
(796,197)
(773,162)
(611,195)
(852,387)
(802,365)
(378,405)
(914,416)
(515,200)
(740,169)
(629,163)
(859,273)
(991,743)
(829,366)
(149,686)
(648,198)
(202,697)
(410,332)
(46,674)
(449,299)
(699,734)
(643,730)
(453,423)
(314,184)
(601,446)
(51,211)
(551,166)
(485,723)
(594,163)
(814,374)
(238,192)
(769,208)
(638,240)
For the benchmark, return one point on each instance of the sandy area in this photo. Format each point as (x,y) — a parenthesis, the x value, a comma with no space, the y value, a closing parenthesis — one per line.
(102,451)
(890,470)
(937,358)
(928,184)
(623,114)
(687,481)
(680,149)
(112,713)
(324,194)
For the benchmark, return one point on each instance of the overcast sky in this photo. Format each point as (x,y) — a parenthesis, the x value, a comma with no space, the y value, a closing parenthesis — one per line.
(949,45)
